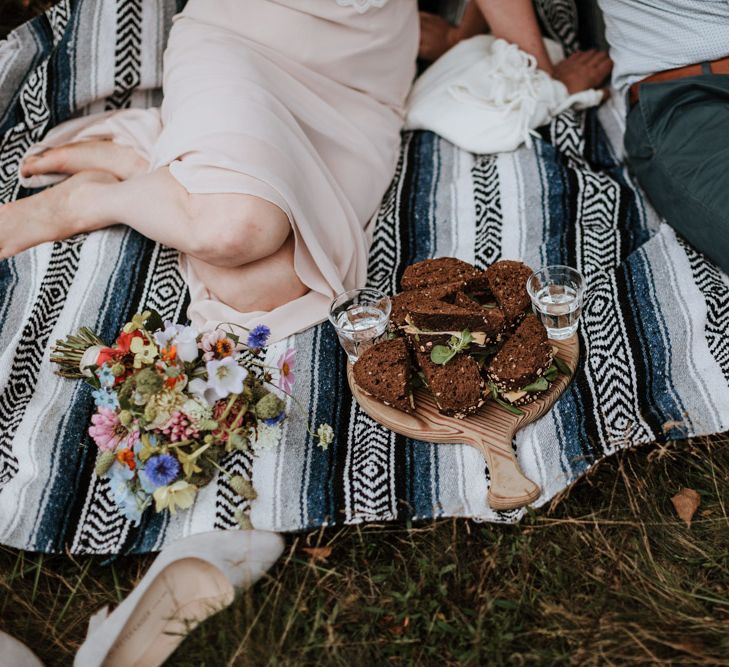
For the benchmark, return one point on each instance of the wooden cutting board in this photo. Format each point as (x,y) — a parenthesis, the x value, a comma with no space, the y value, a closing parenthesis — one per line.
(491,430)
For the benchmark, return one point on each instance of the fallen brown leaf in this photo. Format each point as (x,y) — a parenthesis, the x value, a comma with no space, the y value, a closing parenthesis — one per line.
(318,553)
(686,502)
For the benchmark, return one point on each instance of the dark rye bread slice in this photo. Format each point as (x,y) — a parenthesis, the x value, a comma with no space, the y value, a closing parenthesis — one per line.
(457,387)
(444,316)
(384,371)
(494,317)
(404,302)
(523,359)
(444,271)
(507,280)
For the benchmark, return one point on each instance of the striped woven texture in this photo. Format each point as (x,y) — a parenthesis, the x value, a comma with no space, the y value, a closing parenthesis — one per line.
(655,350)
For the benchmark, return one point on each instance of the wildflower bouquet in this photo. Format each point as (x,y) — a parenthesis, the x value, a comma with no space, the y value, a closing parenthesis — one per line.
(171,403)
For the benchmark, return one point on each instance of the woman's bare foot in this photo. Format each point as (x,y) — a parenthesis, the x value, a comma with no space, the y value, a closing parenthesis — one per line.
(52,215)
(123,162)
(583,70)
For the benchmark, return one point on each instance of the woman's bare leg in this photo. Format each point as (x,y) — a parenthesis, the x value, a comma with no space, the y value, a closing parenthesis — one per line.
(226,230)
(239,246)
(261,285)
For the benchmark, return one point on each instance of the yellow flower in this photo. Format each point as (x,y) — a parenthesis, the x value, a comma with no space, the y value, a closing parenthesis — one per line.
(180,494)
(144,352)
(189,461)
(137,322)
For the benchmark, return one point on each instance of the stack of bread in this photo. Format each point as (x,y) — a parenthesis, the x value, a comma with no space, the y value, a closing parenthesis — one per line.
(466,335)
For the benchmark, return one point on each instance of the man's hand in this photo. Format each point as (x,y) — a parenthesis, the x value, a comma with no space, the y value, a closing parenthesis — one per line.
(436,36)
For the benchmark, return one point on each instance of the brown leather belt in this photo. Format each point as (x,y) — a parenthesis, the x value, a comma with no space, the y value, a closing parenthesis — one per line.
(720,66)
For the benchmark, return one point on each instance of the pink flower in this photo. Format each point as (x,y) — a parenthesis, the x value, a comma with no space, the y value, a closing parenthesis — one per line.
(286,367)
(179,428)
(106,430)
(217,345)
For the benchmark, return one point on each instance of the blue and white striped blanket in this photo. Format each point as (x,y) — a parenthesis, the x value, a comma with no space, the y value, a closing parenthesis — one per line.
(655,350)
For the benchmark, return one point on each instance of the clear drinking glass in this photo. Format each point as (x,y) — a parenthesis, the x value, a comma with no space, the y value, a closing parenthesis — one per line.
(360,318)
(557,293)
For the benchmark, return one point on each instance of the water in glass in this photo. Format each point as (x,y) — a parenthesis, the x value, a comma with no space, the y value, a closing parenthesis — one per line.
(359,327)
(559,308)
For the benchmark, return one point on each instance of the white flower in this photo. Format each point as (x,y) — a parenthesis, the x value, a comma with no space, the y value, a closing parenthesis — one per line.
(89,359)
(186,342)
(225,376)
(163,338)
(202,391)
(183,338)
(267,437)
(325,433)
(162,405)
(180,494)
(197,410)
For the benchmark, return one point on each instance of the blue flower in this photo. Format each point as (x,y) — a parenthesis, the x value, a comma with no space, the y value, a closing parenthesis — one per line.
(130,504)
(258,336)
(162,469)
(106,377)
(275,420)
(104,398)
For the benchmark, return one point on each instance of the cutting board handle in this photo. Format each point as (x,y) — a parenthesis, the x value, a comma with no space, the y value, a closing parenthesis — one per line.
(509,488)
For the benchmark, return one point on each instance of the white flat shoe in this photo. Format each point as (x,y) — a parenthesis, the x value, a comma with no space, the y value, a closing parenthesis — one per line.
(189,581)
(16,654)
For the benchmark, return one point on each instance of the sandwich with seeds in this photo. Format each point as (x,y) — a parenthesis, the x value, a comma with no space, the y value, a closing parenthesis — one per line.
(525,367)
(432,315)
(385,372)
(444,271)
(507,282)
(457,386)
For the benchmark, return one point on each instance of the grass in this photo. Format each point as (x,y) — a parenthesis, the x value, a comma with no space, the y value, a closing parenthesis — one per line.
(609,575)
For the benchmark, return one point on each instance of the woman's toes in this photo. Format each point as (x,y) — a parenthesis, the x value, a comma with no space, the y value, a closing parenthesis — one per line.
(93,155)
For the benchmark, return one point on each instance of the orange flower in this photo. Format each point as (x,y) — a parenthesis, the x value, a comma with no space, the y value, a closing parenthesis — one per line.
(126,457)
(223,348)
(169,353)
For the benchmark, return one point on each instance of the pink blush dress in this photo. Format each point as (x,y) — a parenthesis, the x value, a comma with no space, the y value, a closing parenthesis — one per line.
(298,103)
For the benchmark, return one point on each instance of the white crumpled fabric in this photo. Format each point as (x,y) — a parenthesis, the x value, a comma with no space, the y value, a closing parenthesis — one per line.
(487,96)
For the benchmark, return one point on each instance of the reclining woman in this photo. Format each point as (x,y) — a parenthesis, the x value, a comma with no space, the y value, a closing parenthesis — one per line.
(276,139)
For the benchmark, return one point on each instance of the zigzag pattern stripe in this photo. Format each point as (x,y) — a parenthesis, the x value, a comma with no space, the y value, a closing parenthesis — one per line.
(127,73)
(102,528)
(384,259)
(559,17)
(28,357)
(716,296)
(58,16)
(612,378)
(165,287)
(34,105)
(489,217)
(369,473)
(227,502)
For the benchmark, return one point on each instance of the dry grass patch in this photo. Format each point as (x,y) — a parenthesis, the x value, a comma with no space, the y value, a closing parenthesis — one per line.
(611,575)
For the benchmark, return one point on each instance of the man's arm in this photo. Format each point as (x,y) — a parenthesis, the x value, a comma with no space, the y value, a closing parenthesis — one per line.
(516,22)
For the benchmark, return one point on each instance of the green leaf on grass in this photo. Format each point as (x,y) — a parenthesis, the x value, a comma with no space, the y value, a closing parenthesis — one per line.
(562,366)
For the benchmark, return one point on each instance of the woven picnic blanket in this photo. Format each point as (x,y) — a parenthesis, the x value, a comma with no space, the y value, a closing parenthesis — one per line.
(654,334)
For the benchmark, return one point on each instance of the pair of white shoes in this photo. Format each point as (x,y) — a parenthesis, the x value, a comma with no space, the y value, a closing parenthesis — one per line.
(189,581)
